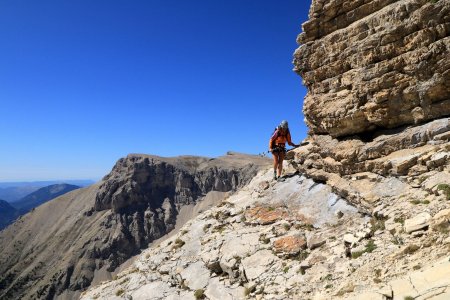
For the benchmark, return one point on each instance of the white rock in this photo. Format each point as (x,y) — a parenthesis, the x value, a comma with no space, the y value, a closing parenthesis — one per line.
(196,276)
(258,263)
(351,239)
(418,222)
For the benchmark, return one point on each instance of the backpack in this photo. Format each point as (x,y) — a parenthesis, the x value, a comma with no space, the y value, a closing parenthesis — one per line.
(272,145)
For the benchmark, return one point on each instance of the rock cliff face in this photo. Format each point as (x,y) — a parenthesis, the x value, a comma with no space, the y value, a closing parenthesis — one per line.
(61,247)
(378,79)
(374,64)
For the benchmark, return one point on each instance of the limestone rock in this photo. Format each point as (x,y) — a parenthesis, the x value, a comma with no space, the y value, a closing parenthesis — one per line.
(419,222)
(289,246)
(441,220)
(258,263)
(314,241)
(363,64)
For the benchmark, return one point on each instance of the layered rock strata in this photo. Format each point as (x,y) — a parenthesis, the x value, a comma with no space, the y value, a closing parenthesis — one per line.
(377,64)
(63,246)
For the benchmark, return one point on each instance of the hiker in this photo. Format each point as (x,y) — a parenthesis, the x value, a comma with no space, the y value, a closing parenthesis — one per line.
(277,145)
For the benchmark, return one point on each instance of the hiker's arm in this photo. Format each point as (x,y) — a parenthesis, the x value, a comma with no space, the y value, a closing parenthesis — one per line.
(288,137)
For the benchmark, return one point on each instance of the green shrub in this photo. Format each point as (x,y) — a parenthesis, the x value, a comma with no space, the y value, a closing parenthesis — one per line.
(199,294)
(178,243)
(445,188)
(370,246)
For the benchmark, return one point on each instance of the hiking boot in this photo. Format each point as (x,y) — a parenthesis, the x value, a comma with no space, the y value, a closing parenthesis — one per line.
(275,177)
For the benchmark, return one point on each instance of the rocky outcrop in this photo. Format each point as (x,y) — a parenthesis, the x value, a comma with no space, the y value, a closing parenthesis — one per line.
(251,245)
(63,246)
(296,239)
(371,65)
(378,102)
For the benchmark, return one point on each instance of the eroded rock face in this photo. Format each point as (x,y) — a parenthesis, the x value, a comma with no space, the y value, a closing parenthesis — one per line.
(374,64)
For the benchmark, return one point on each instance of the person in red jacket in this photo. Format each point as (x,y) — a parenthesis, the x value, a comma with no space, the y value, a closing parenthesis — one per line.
(277,145)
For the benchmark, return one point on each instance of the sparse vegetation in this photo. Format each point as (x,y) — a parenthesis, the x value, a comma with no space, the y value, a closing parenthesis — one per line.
(303,255)
(183,285)
(286,269)
(178,243)
(416,202)
(124,280)
(408,298)
(397,240)
(370,246)
(417,267)
(286,226)
(120,292)
(422,179)
(247,291)
(328,286)
(377,224)
(328,277)
(206,227)
(410,249)
(445,188)
(357,254)
(199,294)
(219,228)
(400,220)
(377,279)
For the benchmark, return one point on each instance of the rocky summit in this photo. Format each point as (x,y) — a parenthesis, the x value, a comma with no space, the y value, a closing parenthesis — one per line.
(363,210)
(78,239)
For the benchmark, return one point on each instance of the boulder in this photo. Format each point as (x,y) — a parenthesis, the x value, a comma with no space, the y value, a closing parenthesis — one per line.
(441,220)
(419,222)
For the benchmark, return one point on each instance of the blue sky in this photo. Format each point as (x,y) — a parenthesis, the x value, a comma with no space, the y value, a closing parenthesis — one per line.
(83,83)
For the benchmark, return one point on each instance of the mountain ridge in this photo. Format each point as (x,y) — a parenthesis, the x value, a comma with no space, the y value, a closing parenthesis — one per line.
(86,236)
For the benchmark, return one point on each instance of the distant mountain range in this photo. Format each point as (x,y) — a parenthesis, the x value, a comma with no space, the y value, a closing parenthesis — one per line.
(15,191)
(7,214)
(11,211)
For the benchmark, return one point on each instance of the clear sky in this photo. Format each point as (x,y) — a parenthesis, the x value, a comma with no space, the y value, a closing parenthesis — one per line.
(83,83)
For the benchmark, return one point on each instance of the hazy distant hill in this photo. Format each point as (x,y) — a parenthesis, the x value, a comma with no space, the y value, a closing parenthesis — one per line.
(42,195)
(14,191)
(7,214)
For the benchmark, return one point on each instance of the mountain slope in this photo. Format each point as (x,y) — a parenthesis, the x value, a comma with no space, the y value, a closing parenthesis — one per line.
(7,214)
(43,195)
(58,249)
(297,239)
